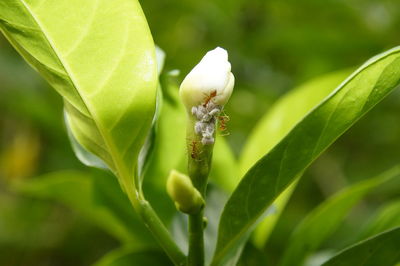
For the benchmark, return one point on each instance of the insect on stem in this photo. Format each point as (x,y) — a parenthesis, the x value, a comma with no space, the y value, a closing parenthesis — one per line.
(222,124)
(194,152)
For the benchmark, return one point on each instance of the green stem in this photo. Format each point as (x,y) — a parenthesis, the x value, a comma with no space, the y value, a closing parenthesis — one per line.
(157,228)
(199,166)
(196,240)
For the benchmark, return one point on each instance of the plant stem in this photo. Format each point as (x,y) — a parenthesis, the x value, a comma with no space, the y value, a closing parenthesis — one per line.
(196,240)
(199,165)
(157,228)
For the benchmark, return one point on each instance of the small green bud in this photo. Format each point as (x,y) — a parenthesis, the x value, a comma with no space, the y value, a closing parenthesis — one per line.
(186,197)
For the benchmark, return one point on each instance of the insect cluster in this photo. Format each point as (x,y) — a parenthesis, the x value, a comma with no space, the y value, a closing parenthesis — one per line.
(207,115)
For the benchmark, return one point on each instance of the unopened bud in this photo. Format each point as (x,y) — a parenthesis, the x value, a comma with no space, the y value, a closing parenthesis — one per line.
(186,197)
(210,80)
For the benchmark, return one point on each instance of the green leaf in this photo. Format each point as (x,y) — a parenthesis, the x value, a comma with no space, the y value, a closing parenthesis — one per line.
(224,169)
(84,156)
(251,256)
(168,151)
(382,249)
(147,149)
(97,198)
(101,58)
(273,173)
(320,223)
(275,124)
(285,114)
(387,217)
(133,257)
(91,160)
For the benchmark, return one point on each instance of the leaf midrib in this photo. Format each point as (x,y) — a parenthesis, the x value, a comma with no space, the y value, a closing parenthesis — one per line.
(120,169)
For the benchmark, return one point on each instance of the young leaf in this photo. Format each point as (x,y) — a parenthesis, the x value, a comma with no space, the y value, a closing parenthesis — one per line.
(323,220)
(101,58)
(84,156)
(303,144)
(275,124)
(382,249)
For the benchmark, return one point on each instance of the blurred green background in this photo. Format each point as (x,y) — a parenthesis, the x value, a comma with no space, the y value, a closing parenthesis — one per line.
(273,47)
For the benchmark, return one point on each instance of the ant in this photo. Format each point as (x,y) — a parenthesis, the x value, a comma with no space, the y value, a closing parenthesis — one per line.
(209,98)
(193,153)
(194,149)
(223,119)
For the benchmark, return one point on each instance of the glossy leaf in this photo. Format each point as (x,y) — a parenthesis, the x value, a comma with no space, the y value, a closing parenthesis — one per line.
(273,173)
(275,124)
(101,58)
(97,198)
(147,148)
(285,114)
(84,156)
(133,257)
(320,223)
(382,249)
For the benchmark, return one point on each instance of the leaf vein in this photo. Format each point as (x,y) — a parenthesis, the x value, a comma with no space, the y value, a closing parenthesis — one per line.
(85,31)
(115,65)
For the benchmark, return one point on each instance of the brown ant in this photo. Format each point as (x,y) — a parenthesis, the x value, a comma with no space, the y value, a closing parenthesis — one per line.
(193,152)
(209,98)
(194,149)
(223,119)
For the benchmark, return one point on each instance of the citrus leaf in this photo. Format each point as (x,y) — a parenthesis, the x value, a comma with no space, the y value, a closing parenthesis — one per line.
(382,249)
(275,124)
(274,172)
(386,217)
(285,114)
(101,58)
(84,156)
(320,223)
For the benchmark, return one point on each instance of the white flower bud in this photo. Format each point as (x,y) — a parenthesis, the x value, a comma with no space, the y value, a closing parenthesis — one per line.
(209,80)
